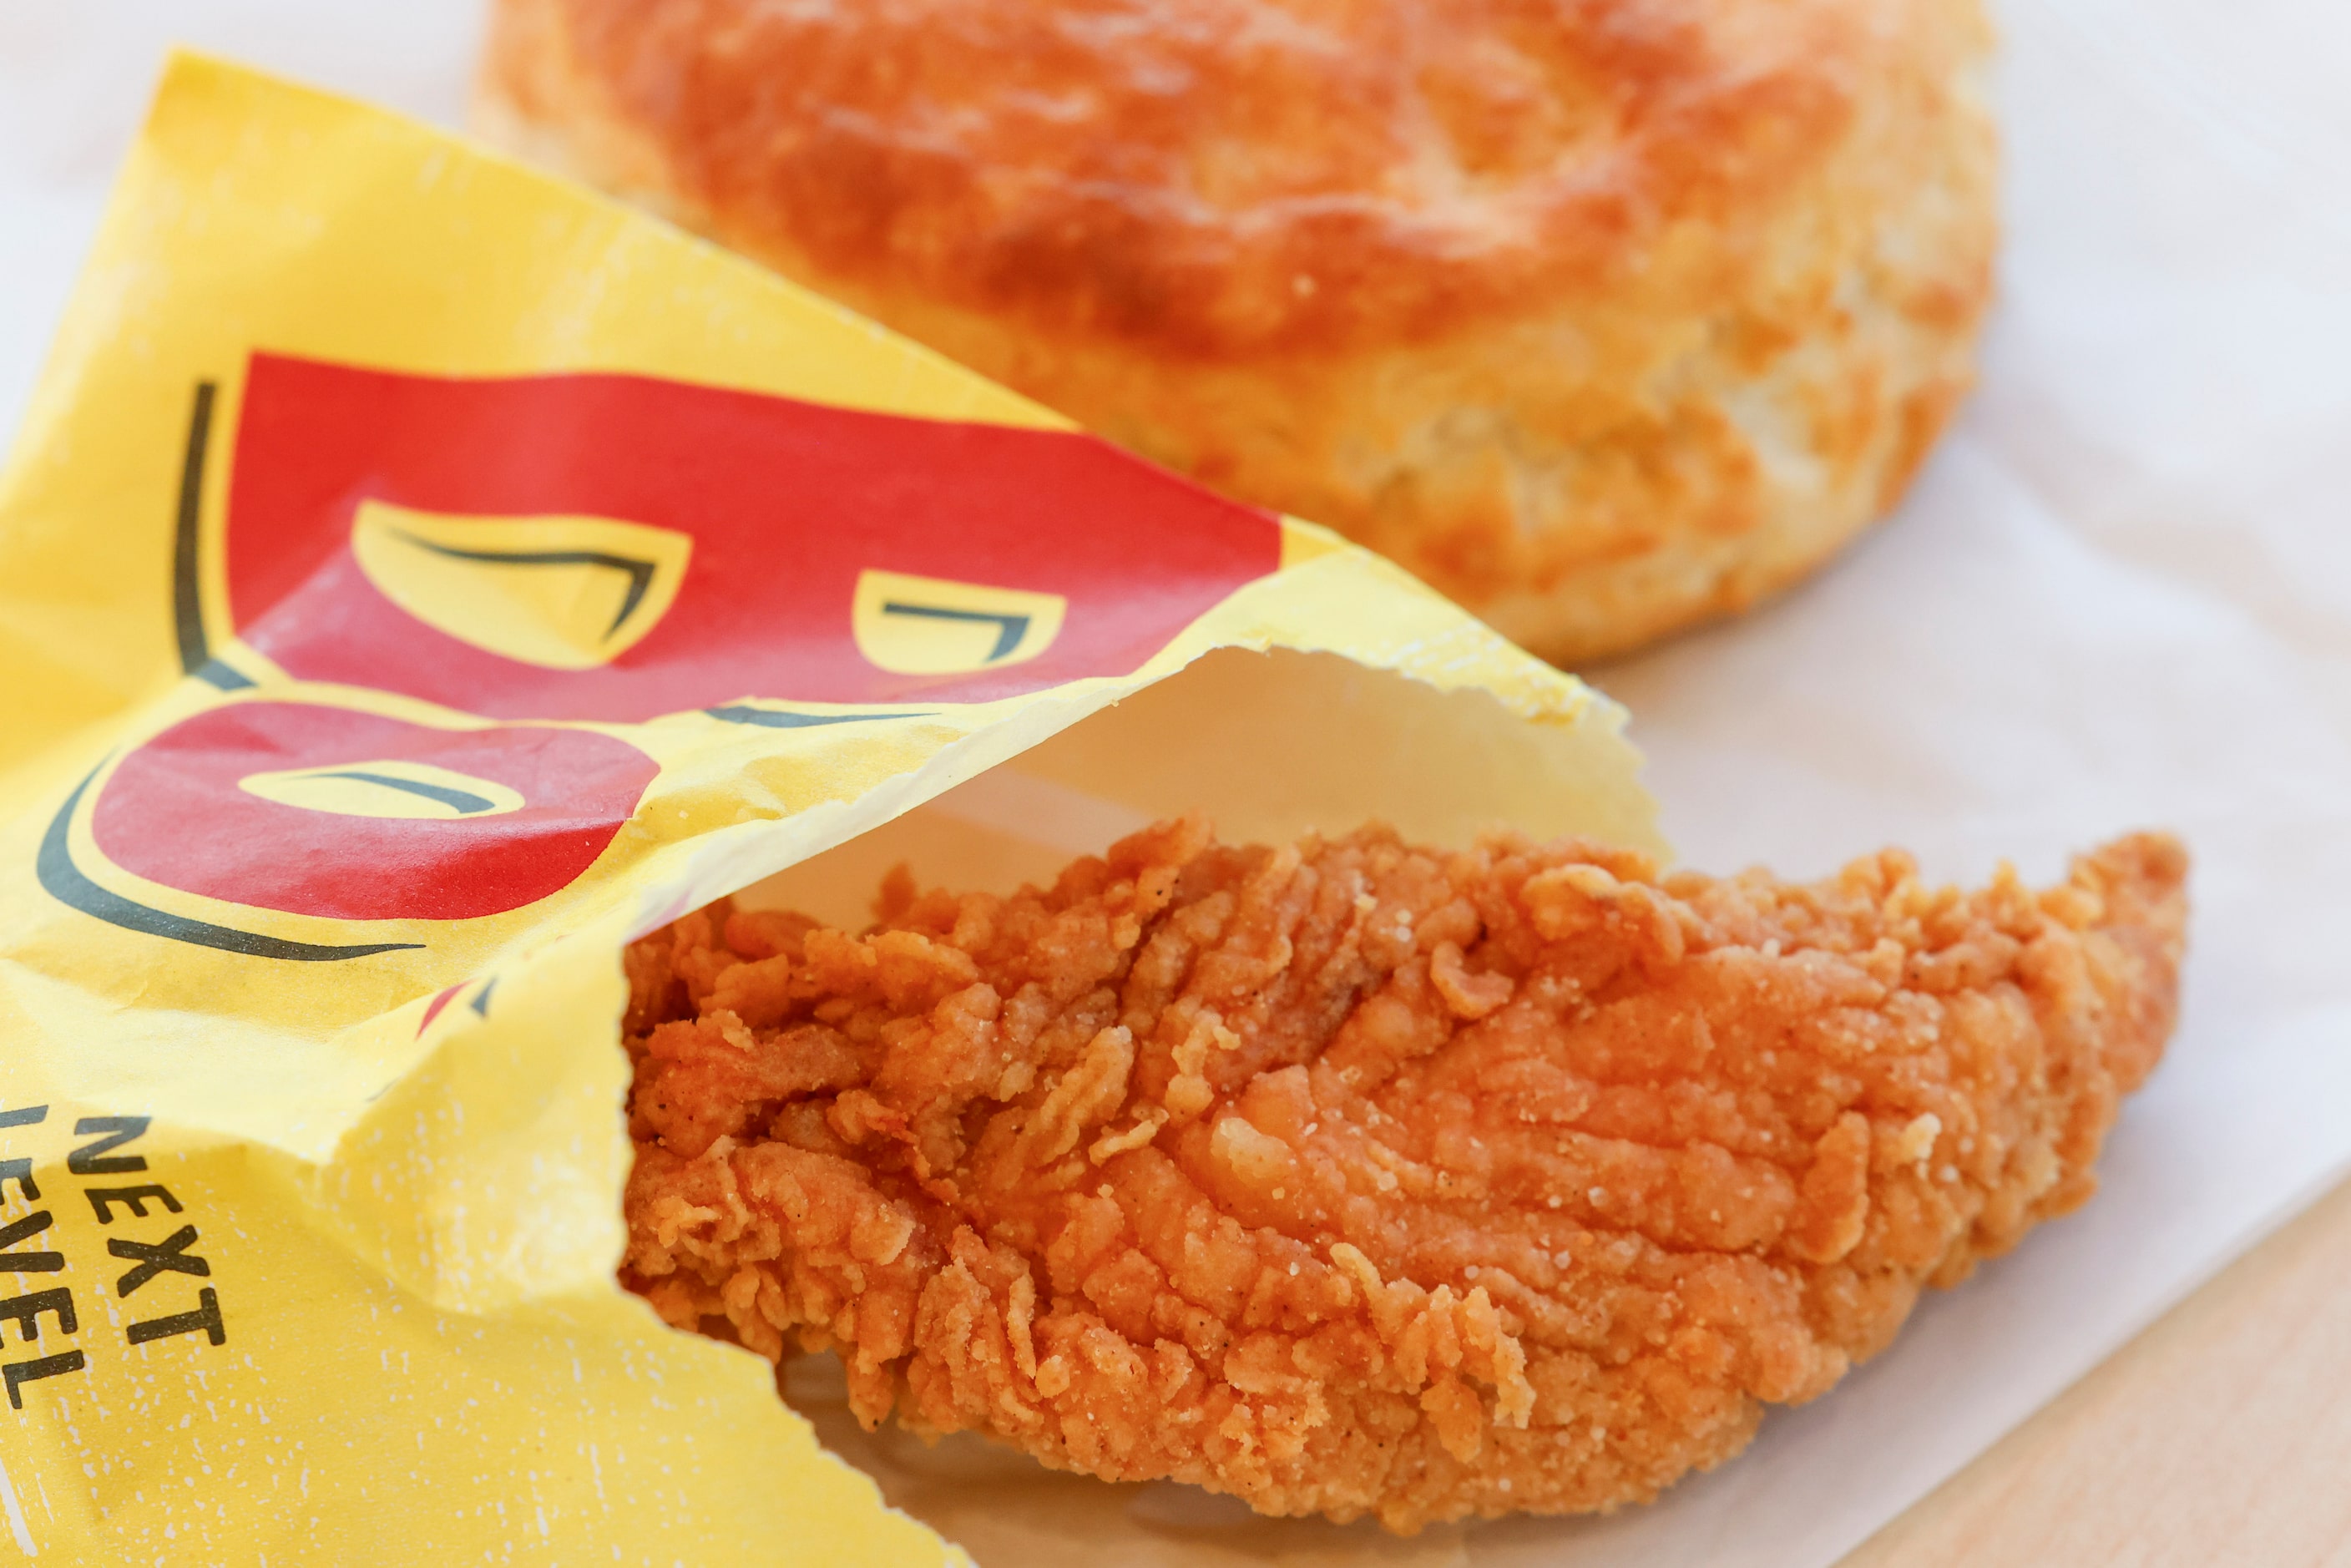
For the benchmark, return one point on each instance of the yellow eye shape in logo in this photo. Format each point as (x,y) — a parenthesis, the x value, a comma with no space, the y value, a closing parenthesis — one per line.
(392,788)
(931,626)
(562,592)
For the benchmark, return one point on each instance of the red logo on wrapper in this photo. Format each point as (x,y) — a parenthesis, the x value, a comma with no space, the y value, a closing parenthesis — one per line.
(616,548)
(594,548)
(344,815)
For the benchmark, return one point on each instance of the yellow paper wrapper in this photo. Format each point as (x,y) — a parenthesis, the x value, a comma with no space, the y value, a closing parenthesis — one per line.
(417,578)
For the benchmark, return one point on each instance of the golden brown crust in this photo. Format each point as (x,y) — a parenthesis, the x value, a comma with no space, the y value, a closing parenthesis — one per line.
(1604,316)
(1349,1178)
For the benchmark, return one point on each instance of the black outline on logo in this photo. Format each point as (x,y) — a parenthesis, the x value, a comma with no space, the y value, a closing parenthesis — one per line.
(187,610)
(465,802)
(64,882)
(187,546)
(776,719)
(1009,629)
(641,570)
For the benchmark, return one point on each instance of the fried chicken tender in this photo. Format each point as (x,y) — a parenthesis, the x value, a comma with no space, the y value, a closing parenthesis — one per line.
(1347,1176)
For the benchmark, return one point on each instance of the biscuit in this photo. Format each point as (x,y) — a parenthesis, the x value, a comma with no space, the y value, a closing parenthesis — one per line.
(1604,316)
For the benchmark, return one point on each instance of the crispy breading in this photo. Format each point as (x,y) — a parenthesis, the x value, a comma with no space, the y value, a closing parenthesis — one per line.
(1348,1177)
